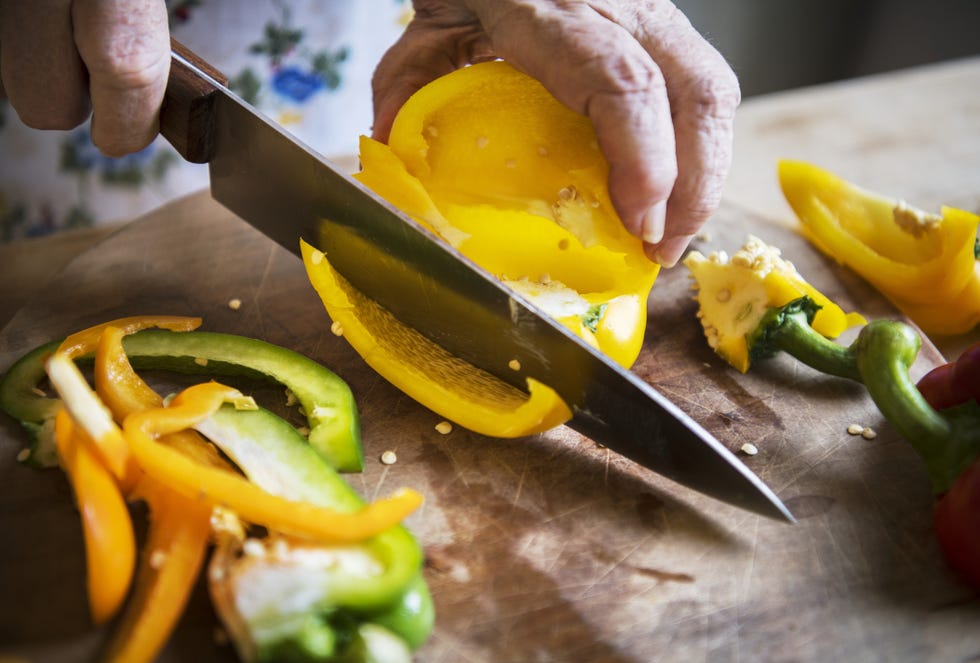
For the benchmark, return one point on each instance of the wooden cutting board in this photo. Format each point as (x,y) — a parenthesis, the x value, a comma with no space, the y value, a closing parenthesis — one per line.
(549,547)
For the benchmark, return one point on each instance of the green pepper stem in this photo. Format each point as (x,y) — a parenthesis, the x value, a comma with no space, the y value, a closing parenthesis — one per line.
(885,350)
(797,338)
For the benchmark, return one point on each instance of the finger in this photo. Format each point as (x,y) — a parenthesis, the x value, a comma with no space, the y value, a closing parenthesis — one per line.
(126,48)
(440,39)
(606,74)
(704,95)
(43,76)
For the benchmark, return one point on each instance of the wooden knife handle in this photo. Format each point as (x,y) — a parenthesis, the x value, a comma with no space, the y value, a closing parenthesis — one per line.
(186,117)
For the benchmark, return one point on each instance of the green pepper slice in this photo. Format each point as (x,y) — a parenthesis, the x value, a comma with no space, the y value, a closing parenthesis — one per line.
(325,398)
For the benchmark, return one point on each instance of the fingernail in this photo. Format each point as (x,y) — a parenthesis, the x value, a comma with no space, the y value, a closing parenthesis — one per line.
(653,223)
(670,252)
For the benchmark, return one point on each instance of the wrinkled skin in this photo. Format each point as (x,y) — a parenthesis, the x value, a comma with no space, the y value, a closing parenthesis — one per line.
(661,98)
(63,59)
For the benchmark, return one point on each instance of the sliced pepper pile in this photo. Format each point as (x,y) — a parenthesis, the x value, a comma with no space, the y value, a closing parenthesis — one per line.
(926,264)
(948,440)
(486,158)
(124,442)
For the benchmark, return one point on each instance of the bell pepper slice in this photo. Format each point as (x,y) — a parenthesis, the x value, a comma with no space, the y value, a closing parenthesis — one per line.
(736,294)
(213,485)
(325,398)
(313,595)
(926,264)
(443,383)
(110,545)
(179,533)
(216,486)
(91,414)
(85,341)
(489,160)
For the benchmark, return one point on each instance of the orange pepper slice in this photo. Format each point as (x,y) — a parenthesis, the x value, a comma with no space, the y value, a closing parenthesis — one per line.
(174,551)
(110,546)
(83,342)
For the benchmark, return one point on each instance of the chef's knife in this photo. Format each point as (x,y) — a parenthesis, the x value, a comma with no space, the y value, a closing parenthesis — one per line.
(288,191)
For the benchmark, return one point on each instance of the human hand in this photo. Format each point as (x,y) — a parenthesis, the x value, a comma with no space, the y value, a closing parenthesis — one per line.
(61,59)
(662,100)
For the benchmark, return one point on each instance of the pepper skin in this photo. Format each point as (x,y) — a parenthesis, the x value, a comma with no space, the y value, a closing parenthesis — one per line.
(957,515)
(955,382)
(443,383)
(925,264)
(957,524)
(110,545)
(489,160)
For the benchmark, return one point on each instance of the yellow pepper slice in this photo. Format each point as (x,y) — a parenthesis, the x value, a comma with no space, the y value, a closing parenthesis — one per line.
(489,160)
(219,487)
(735,293)
(443,383)
(924,263)
(110,545)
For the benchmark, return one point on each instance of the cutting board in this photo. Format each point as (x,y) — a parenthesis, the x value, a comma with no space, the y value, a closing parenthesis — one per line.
(548,547)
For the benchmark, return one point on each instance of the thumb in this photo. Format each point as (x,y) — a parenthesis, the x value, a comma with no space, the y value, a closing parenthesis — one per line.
(425,51)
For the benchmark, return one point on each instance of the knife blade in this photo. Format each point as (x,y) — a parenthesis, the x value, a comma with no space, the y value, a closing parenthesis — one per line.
(288,191)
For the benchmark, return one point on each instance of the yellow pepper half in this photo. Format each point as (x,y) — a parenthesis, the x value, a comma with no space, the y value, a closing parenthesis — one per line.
(489,160)
(735,293)
(445,384)
(926,264)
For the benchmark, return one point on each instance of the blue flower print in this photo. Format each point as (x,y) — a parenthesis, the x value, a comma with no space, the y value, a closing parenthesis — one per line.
(296,84)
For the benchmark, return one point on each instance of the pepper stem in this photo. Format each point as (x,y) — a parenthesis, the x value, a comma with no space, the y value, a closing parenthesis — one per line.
(788,329)
(885,350)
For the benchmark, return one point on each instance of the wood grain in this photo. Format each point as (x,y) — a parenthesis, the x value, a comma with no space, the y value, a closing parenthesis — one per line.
(545,548)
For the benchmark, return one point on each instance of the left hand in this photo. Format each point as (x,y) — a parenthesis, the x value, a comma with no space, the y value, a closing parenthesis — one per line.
(661,99)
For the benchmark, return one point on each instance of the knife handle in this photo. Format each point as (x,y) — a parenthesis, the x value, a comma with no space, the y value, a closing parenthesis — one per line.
(186,117)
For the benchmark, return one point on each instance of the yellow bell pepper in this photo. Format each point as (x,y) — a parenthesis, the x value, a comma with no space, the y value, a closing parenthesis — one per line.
(445,384)
(110,545)
(489,160)
(926,264)
(736,293)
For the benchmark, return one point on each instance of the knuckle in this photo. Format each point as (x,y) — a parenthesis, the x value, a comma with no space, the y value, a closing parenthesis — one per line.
(132,65)
(715,94)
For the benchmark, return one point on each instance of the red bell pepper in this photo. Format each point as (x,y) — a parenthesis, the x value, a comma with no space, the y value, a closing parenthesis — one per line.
(954,383)
(957,515)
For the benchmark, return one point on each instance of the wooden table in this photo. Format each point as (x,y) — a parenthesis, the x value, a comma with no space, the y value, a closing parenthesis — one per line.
(549,548)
